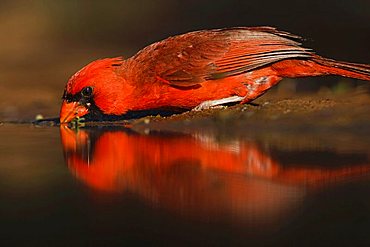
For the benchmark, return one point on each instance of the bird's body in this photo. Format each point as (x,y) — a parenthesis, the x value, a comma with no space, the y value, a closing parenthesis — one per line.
(196,70)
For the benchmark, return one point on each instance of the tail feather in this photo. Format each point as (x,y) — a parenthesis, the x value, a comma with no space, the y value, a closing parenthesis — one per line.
(353,70)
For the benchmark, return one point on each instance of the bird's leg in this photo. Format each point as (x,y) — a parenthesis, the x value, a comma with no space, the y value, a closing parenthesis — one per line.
(212,103)
(259,86)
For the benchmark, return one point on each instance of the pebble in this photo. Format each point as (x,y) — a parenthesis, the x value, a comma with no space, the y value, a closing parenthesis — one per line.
(39,117)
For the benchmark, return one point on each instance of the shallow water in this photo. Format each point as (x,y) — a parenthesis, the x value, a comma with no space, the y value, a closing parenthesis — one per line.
(114,186)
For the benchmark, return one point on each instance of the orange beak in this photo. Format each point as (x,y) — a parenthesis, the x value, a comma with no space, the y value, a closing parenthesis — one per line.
(70,111)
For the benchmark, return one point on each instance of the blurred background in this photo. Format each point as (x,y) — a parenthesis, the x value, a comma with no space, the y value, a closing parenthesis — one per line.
(43,42)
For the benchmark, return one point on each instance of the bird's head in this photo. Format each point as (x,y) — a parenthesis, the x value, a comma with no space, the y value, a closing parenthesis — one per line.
(94,91)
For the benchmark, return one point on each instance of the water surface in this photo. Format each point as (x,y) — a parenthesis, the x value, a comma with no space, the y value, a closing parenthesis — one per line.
(115,186)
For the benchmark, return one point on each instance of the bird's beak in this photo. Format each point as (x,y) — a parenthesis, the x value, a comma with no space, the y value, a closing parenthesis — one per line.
(70,111)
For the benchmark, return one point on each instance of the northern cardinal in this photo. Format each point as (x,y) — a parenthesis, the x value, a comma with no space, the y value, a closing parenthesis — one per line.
(198,70)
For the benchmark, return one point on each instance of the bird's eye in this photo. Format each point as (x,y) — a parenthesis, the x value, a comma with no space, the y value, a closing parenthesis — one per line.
(87,92)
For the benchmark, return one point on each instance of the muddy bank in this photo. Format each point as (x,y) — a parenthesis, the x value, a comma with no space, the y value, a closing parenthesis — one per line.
(341,122)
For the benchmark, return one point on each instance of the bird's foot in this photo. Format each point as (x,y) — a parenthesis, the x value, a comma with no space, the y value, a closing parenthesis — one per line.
(253,104)
(217,103)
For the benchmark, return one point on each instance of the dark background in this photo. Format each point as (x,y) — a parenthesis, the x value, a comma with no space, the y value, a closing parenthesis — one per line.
(44,42)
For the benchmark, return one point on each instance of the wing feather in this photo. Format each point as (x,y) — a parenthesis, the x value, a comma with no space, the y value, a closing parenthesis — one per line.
(192,58)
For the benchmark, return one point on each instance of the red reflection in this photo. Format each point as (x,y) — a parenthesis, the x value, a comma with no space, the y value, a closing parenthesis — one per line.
(193,174)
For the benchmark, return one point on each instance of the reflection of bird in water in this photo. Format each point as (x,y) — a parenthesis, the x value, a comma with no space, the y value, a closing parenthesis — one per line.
(195,175)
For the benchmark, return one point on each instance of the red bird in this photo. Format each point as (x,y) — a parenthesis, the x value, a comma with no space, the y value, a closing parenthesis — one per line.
(197,70)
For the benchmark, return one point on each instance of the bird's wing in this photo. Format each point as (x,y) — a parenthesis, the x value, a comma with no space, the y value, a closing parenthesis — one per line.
(190,59)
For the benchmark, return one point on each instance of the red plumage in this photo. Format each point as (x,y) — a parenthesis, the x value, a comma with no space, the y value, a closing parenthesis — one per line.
(197,69)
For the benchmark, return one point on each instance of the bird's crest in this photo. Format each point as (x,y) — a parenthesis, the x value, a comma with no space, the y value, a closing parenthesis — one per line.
(91,70)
